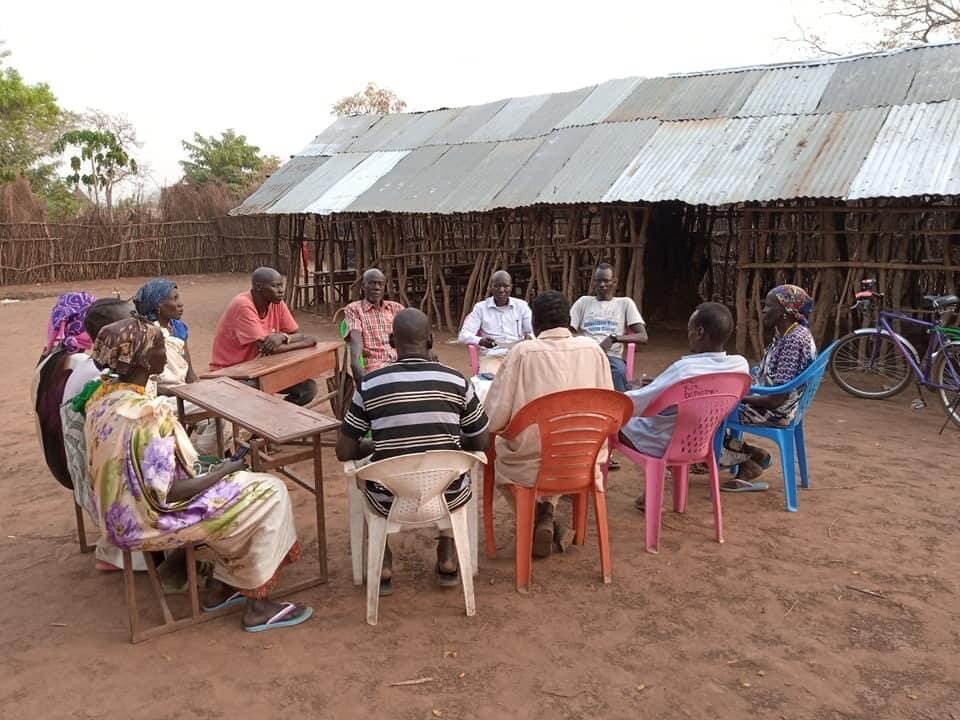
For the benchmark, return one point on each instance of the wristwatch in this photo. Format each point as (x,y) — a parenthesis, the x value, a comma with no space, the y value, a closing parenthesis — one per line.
(286,339)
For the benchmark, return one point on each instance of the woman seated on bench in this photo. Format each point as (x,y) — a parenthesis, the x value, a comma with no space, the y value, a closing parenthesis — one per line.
(142,471)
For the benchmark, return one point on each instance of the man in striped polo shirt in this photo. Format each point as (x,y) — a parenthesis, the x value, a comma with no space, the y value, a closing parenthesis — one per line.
(410,406)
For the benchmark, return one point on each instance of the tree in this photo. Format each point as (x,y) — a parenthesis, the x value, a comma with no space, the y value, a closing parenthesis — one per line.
(103,155)
(229,159)
(896,23)
(372,101)
(30,121)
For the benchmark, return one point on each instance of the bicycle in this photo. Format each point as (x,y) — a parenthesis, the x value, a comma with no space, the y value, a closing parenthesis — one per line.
(878,362)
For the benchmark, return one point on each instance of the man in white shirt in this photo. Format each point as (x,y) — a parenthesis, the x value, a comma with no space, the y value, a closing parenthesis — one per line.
(606,319)
(496,323)
(708,330)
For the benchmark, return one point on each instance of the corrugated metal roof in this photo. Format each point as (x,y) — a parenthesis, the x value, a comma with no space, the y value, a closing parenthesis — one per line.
(285,177)
(917,152)
(844,128)
(340,135)
(820,155)
(788,91)
(509,119)
(489,176)
(383,132)
(552,154)
(357,181)
(597,162)
(712,162)
(465,124)
(392,188)
(418,133)
(316,183)
(601,101)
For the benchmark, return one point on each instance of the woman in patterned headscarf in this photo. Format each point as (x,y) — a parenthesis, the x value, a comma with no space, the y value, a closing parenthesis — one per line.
(786,311)
(142,470)
(62,353)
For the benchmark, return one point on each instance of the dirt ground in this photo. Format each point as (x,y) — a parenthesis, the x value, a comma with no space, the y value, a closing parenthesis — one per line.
(846,609)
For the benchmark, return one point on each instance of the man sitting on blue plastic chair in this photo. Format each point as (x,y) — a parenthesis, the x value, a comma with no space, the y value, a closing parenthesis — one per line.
(792,350)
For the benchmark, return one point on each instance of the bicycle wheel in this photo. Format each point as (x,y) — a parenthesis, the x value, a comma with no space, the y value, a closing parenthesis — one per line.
(869,366)
(946,371)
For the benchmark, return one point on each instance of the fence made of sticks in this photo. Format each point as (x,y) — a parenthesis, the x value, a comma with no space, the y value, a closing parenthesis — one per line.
(33,252)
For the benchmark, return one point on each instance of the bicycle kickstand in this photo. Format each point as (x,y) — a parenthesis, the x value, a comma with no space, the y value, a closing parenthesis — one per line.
(950,411)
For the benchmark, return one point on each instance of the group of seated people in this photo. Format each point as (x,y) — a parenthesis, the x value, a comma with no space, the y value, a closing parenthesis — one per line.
(110,433)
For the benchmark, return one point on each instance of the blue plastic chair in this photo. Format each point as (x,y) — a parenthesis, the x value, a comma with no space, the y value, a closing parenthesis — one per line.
(789,438)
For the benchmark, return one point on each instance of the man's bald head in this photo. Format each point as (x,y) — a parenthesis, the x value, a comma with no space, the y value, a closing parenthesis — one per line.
(264,276)
(411,333)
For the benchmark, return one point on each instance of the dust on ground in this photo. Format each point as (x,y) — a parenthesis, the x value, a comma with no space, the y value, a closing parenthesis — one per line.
(772,624)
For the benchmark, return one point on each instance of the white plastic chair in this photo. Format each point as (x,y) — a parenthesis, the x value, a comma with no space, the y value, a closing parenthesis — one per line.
(417,482)
(355,505)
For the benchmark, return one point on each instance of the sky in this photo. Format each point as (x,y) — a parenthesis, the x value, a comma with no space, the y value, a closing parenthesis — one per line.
(272,70)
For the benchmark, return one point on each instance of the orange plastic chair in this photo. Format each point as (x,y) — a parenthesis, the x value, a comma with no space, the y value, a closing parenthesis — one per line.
(573,425)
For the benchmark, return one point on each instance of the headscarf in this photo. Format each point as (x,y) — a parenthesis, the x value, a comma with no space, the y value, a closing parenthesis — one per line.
(150,296)
(65,327)
(125,345)
(795,301)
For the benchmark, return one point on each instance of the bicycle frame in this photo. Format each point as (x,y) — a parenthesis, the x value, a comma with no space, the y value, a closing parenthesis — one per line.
(935,345)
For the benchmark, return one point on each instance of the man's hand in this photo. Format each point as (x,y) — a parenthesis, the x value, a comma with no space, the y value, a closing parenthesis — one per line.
(608,342)
(271,342)
(487,342)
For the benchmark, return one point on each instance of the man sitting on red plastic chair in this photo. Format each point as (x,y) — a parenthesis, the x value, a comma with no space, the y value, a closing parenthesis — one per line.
(496,323)
(708,330)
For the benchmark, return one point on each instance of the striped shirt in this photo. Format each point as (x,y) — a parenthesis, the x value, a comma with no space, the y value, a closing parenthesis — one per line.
(414,405)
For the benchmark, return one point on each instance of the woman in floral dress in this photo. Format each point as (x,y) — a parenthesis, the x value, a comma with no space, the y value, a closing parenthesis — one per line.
(141,467)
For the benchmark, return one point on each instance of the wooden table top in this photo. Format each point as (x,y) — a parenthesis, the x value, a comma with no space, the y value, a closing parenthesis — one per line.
(266,364)
(267,416)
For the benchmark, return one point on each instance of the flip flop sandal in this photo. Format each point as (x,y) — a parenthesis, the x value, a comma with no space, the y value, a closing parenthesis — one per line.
(234,599)
(277,621)
(741,486)
(105,567)
(447,579)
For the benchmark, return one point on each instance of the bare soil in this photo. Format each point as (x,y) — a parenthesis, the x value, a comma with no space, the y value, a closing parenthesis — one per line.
(846,609)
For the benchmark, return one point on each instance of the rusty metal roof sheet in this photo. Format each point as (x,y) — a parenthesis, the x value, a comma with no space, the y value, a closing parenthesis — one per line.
(917,152)
(868,126)
(288,175)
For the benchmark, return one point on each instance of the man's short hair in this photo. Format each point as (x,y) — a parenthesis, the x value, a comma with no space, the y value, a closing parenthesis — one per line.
(716,321)
(550,309)
(102,312)
(603,266)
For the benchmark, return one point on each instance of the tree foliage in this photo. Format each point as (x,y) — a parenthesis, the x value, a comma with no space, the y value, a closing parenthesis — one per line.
(896,23)
(30,120)
(372,100)
(102,162)
(229,159)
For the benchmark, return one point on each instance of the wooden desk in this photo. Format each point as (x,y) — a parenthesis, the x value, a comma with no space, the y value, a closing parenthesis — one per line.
(274,373)
(294,431)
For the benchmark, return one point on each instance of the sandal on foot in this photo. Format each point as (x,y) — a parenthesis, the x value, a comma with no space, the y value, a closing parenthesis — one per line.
(447,579)
(104,566)
(234,599)
(279,621)
(738,485)
(386,586)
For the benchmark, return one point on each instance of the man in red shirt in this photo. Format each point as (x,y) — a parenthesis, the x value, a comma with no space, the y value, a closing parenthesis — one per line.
(260,323)
(369,324)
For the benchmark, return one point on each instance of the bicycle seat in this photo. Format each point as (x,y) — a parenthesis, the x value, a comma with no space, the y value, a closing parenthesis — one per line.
(940,302)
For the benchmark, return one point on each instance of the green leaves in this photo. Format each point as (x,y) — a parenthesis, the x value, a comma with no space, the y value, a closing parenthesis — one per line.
(229,159)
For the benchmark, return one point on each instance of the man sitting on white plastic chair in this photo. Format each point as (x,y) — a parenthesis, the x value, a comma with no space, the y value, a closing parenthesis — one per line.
(410,406)
(708,330)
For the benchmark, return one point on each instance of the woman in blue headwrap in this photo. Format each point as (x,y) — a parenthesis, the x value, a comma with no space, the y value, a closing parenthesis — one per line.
(159,301)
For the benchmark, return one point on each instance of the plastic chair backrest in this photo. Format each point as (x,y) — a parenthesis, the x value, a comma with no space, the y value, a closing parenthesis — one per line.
(417,482)
(703,403)
(629,359)
(573,426)
(344,332)
(808,381)
(813,376)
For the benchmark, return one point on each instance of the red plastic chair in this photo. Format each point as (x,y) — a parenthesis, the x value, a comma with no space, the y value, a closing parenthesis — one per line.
(702,403)
(629,358)
(573,425)
(474,359)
